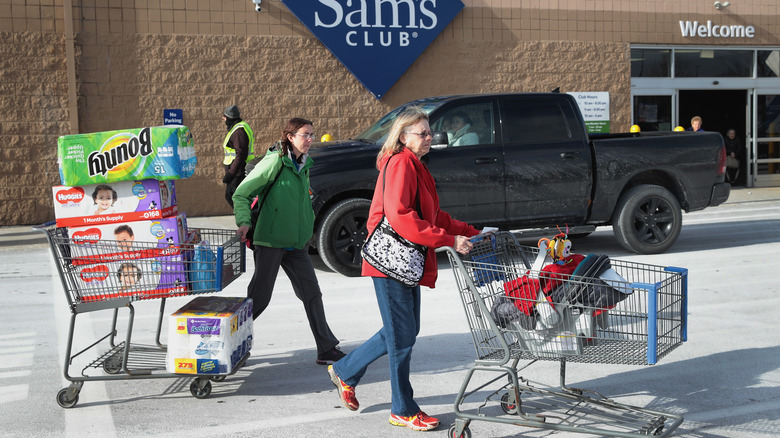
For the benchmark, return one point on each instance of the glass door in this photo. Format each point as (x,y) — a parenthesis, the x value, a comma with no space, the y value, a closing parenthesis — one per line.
(766,145)
(653,112)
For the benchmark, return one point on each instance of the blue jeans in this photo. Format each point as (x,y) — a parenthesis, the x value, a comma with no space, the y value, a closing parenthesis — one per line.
(400,309)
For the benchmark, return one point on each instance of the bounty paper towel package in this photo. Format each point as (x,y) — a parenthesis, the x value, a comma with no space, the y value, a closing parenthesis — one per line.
(114,203)
(162,153)
(209,335)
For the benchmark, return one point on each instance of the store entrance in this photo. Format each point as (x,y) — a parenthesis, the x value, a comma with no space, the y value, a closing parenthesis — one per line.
(720,111)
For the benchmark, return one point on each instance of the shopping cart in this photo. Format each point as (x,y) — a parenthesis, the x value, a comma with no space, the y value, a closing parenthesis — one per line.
(631,313)
(101,275)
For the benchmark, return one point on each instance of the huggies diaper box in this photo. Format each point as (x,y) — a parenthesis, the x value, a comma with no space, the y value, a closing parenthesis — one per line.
(209,335)
(162,153)
(99,252)
(114,203)
(158,233)
(138,279)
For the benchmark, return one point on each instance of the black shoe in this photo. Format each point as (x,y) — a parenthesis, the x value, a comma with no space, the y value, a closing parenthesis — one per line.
(330,357)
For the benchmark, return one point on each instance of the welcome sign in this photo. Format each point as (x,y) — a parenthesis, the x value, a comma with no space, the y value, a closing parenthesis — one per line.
(376,40)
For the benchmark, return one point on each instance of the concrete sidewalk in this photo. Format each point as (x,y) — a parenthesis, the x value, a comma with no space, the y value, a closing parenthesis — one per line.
(25,235)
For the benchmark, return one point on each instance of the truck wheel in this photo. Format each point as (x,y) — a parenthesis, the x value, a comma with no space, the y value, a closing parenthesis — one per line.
(342,235)
(648,219)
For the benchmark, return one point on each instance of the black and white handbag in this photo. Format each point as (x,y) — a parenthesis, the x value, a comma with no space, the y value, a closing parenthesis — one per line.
(393,255)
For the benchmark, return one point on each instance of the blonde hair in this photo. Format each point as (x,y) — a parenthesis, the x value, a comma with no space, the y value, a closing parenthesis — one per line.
(408,117)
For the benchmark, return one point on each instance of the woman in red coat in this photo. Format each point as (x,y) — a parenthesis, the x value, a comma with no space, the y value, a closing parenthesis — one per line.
(405,177)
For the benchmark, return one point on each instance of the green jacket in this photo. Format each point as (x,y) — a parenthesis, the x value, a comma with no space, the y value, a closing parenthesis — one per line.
(287,218)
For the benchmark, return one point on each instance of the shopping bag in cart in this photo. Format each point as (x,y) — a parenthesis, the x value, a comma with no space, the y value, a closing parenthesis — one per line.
(486,269)
(591,290)
(203,268)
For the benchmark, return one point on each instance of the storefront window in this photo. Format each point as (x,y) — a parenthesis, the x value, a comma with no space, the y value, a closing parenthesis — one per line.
(653,113)
(710,63)
(650,63)
(768,64)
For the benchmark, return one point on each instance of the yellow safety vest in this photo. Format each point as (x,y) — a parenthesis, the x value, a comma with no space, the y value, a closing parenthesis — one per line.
(230,153)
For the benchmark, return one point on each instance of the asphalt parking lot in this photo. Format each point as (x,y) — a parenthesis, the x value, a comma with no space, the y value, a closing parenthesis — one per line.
(724,380)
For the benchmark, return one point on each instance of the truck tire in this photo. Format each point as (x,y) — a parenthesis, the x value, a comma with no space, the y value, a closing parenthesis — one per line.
(342,235)
(647,220)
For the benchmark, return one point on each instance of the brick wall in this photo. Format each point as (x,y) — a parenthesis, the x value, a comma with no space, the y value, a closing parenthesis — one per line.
(134,59)
(33,113)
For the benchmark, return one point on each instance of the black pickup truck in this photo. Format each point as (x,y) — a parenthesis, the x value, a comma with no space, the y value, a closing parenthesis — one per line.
(525,161)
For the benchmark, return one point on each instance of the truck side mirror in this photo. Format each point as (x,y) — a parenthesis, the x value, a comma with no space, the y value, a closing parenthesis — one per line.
(439,140)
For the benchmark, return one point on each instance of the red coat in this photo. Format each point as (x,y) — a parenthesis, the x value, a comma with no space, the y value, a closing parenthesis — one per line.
(405,174)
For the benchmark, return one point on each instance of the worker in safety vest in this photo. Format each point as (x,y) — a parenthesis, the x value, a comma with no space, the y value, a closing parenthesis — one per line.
(239,149)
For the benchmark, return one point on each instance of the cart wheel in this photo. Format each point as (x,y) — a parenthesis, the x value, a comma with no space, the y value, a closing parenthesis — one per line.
(509,406)
(218,378)
(113,365)
(64,401)
(466,432)
(200,391)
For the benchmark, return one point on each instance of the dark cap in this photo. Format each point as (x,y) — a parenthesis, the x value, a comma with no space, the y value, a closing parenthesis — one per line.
(231,112)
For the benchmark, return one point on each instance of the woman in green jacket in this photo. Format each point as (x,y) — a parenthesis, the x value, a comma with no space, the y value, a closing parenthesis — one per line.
(283,229)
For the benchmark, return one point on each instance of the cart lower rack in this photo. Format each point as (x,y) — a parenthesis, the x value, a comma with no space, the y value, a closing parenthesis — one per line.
(520,305)
(99,275)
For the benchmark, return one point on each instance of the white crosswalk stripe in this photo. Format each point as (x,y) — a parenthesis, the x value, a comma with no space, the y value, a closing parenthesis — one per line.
(17,352)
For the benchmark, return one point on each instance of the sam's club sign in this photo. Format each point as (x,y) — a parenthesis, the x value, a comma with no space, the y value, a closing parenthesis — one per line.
(376,40)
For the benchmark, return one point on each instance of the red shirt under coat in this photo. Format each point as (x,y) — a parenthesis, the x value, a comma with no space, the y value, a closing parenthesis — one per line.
(405,174)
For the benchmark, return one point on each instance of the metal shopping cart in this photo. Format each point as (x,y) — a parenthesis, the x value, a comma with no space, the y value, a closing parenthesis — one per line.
(630,313)
(101,275)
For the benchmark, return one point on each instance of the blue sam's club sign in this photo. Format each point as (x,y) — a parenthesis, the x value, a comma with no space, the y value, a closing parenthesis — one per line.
(376,40)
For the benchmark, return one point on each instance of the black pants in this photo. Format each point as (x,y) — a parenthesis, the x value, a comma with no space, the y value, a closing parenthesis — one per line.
(297,265)
(231,187)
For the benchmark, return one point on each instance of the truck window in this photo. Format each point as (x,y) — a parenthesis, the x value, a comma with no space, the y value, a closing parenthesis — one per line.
(535,123)
(467,124)
(377,133)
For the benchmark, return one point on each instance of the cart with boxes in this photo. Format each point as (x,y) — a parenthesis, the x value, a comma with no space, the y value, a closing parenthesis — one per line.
(120,238)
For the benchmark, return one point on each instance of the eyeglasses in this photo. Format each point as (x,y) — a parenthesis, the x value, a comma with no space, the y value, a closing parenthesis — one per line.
(307,136)
(422,134)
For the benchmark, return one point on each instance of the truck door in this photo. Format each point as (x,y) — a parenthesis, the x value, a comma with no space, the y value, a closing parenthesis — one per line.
(547,160)
(469,172)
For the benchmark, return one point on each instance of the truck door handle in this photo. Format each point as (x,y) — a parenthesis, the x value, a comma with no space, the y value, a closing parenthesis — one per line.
(490,160)
(567,155)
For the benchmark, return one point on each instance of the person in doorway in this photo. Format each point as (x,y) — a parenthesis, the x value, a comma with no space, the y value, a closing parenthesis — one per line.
(239,149)
(404,180)
(734,156)
(695,124)
(283,229)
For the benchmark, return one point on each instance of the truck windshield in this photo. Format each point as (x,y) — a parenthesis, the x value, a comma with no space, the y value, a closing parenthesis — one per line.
(377,133)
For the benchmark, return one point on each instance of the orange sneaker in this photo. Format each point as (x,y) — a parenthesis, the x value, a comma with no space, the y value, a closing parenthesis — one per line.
(346,392)
(420,421)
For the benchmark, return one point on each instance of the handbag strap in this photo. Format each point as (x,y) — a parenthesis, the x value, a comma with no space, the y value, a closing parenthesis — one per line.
(418,208)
